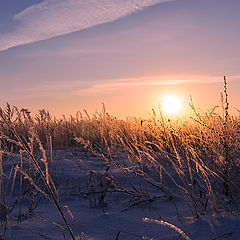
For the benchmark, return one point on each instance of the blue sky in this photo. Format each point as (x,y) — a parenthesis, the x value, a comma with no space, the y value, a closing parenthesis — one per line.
(75,54)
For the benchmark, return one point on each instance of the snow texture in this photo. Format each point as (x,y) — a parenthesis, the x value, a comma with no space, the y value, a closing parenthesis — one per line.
(73,170)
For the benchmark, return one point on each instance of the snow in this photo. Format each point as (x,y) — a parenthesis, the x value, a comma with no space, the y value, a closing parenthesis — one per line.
(118,217)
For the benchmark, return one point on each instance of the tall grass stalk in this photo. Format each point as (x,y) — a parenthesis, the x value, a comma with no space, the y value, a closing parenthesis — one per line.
(198,158)
(45,177)
(226,140)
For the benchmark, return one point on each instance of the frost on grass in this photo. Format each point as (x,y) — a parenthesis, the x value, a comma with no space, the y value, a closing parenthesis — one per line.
(97,177)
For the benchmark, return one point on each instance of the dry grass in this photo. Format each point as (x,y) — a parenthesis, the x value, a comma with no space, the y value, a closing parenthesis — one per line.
(199,158)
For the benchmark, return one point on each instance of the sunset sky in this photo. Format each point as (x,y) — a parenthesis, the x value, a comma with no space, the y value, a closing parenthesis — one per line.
(69,55)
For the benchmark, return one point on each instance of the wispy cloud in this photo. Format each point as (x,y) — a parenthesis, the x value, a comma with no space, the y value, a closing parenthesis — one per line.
(52,18)
(113,86)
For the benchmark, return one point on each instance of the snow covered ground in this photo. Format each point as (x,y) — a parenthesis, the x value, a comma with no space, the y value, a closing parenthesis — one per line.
(110,215)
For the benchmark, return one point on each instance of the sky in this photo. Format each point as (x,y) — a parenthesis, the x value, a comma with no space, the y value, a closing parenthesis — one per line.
(70,55)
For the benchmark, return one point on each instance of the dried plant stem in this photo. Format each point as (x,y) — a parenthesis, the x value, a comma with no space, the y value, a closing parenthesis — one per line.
(225,142)
(166,224)
(45,180)
(20,195)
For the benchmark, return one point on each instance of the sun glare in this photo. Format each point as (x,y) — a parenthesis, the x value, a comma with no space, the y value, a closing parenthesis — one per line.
(171,105)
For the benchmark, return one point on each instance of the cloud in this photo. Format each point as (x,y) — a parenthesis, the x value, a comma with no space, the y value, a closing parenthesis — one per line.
(113,86)
(52,18)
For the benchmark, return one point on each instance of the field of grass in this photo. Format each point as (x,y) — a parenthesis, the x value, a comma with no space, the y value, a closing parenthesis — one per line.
(144,160)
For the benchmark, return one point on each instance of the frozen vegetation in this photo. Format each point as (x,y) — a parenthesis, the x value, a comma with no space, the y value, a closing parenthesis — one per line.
(98,177)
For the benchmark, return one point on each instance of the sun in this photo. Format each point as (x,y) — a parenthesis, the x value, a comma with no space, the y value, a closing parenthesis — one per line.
(171,105)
